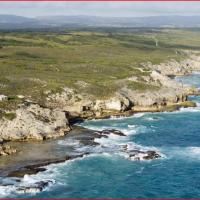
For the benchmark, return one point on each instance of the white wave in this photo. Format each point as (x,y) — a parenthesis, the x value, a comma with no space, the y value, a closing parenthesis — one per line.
(95,127)
(196,72)
(103,154)
(6,191)
(195,109)
(150,119)
(112,143)
(140,170)
(198,104)
(121,117)
(184,110)
(138,115)
(115,118)
(140,155)
(182,152)
(69,142)
(131,126)
(127,129)
(52,174)
(112,118)
(194,151)
(29,181)
(113,139)
(153,118)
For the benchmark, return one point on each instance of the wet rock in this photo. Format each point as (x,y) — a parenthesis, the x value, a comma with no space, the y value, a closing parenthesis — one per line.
(124,147)
(22,172)
(111,131)
(151,155)
(143,155)
(34,169)
(9,182)
(89,142)
(36,187)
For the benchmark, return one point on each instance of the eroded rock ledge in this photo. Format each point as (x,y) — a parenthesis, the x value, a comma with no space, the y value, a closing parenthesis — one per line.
(34,122)
(170,96)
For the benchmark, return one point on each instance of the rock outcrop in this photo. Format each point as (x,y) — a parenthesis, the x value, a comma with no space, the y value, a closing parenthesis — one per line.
(33,122)
(6,150)
(132,153)
(169,95)
(175,68)
(36,187)
(110,131)
(36,122)
(143,155)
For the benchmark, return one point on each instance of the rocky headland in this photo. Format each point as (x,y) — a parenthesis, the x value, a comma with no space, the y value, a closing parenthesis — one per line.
(33,124)
(31,121)
(168,94)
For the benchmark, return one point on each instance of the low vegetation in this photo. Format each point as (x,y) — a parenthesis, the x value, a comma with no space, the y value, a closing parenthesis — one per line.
(34,62)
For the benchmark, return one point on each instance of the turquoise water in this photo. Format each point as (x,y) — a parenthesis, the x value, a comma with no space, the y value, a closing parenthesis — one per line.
(175,135)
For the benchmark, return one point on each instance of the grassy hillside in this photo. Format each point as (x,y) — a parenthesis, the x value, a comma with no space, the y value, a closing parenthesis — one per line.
(90,61)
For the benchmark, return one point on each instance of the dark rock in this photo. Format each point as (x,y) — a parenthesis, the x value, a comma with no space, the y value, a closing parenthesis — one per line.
(36,187)
(113,131)
(9,181)
(80,155)
(22,172)
(143,155)
(124,147)
(34,169)
(89,142)
(151,155)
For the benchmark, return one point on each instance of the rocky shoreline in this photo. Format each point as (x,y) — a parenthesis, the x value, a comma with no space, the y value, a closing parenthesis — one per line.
(34,124)
(28,161)
(32,121)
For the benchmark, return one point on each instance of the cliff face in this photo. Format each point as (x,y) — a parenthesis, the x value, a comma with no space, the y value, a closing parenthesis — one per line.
(173,67)
(33,122)
(170,95)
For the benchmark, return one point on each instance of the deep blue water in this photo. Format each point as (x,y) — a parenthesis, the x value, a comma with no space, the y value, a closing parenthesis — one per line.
(177,175)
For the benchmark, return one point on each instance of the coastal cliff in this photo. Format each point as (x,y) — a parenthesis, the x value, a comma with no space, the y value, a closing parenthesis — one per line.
(165,94)
(31,121)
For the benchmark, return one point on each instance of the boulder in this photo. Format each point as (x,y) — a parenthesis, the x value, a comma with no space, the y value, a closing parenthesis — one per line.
(143,155)
(151,155)
(111,131)
(36,187)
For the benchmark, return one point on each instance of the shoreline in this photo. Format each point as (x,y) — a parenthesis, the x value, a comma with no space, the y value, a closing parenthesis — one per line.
(18,168)
(86,138)
(32,121)
(37,166)
(63,127)
(52,152)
